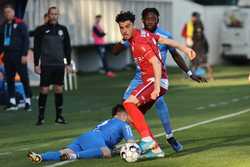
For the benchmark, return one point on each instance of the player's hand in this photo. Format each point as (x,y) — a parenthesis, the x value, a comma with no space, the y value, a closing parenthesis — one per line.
(69,69)
(24,60)
(198,78)
(37,70)
(190,53)
(155,93)
(189,42)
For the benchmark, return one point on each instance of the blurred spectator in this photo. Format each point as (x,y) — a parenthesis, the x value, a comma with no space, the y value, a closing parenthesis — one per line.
(98,36)
(1,74)
(14,43)
(19,95)
(193,32)
(3,94)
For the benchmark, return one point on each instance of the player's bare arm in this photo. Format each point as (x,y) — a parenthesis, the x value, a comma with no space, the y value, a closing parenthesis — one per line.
(181,63)
(188,51)
(157,73)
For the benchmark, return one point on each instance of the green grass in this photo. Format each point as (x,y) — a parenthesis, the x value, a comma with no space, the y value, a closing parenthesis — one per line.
(224,143)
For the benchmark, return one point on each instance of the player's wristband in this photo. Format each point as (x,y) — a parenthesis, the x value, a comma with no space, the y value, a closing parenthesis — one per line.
(189,73)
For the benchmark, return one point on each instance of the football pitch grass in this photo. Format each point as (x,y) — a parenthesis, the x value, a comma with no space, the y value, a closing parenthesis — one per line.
(214,139)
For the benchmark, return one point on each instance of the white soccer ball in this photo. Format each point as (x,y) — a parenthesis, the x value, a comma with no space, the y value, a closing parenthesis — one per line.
(130,152)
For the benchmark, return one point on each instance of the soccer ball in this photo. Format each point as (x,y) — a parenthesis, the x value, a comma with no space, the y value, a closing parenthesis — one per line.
(130,152)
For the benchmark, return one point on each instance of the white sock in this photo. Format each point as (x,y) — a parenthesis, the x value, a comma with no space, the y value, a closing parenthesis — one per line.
(146,139)
(168,136)
(72,156)
(27,100)
(13,100)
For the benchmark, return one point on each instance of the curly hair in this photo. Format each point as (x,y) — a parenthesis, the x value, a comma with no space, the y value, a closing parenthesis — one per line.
(124,16)
(149,10)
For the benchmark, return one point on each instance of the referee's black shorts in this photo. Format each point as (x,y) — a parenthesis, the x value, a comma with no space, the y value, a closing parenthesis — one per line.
(51,75)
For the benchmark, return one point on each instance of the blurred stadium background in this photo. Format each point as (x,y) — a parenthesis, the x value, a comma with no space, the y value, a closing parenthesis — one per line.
(79,18)
(215,143)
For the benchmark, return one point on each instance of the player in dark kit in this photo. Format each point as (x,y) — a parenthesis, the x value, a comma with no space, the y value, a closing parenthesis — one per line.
(51,46)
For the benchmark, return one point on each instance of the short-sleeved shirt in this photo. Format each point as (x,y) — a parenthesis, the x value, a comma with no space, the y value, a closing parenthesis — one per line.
(143,47)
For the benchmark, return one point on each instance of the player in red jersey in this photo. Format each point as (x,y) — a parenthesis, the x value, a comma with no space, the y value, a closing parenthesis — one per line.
(155,81)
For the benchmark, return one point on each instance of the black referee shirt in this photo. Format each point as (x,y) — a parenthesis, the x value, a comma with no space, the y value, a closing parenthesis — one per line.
(52,45)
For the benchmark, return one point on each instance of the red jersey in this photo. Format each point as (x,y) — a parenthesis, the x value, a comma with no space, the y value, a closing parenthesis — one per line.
(144,47)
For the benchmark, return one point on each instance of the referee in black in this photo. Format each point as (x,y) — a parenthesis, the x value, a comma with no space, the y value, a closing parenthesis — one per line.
(51,47)
(14,43)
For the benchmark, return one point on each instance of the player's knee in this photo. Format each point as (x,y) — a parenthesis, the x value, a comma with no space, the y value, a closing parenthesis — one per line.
(106,153)
(58,89)
(44,90)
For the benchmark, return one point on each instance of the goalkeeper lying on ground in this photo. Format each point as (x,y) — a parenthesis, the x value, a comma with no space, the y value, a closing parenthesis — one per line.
(97,143)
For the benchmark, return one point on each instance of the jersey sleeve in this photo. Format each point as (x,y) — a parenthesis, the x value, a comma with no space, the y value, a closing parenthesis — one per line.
(127,132)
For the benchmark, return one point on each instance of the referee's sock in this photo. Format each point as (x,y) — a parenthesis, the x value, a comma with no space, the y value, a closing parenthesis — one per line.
(59,104)
(41,104)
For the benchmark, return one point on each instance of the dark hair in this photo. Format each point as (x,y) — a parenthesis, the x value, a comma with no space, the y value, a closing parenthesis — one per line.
(8,6)
(98,16)
(196,14)
(124,16)
(117,108)
(146,11)
(45,15)
(51,8)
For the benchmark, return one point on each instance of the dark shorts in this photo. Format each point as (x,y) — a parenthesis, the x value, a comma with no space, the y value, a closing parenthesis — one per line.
(51,76)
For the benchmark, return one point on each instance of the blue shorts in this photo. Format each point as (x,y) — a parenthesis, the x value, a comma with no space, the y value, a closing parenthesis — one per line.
(132,85)
(86,141)
(1,69)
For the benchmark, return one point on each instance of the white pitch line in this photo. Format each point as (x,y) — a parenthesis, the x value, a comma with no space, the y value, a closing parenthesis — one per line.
(246,97)
(178,130)
(223,103)
(200,108)
(60,163)
(6,153)
(235,100)
(212,105)
(208,121)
